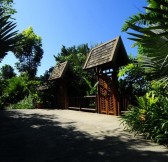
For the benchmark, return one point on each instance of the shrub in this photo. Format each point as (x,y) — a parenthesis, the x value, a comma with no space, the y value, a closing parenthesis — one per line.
(15,90)
(26,103)
(150,117)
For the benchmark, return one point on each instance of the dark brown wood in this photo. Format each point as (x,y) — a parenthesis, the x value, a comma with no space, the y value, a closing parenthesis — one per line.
(62,98)
(58,77)
(106,59)
(86,103)
(107,95)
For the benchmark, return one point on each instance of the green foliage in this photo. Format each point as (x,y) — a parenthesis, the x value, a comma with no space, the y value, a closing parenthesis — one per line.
(29,52)
(93,89)
(133,79)
(149,30)
(150,117)
(7,72)
(17,88)
(7,6)
(46,75)
(2,87)
(8,37)
(76,57)
(3,83)
(81,49)
(26,103)
(124,70)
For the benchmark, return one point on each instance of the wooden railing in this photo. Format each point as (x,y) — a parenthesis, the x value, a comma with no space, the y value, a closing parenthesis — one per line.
(86,103)
(89,103)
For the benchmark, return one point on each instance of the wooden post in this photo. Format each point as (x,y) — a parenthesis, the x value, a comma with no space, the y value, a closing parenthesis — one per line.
(80,103)
(65,94)
(115,79)
(98,92)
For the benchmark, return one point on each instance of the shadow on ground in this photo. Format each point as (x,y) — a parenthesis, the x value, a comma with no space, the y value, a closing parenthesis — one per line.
(39,138)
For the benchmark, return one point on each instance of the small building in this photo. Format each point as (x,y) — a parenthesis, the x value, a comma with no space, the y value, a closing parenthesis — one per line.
(106,60)
(58,78)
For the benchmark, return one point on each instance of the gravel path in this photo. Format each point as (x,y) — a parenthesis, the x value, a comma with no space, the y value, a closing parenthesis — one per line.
(71,136)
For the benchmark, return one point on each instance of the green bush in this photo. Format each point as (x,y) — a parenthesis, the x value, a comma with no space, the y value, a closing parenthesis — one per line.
(15,90)
(26,103)
(150,117)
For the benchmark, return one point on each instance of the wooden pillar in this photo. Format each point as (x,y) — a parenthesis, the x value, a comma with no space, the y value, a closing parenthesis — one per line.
(98,93)
(65,96)
(62,98)
(115,80)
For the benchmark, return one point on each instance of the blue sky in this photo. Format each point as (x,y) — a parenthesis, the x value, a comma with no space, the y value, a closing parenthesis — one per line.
(73,22)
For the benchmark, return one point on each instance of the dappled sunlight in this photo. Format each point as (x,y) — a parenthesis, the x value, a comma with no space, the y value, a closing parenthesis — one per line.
(49,136)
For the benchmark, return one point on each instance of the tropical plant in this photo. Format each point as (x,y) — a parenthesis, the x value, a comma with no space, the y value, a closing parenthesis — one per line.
(92,89)
(149,30)
(29,52)
(133,79)
(8,37)
(150,117)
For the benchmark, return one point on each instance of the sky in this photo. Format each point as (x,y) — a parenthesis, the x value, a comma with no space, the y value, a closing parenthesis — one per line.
(73,22)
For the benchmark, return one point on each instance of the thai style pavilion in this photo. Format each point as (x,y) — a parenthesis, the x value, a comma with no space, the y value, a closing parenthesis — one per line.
(106,60)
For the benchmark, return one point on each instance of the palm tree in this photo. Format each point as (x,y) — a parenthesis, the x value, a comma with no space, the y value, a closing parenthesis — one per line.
(8,37)
(150,32)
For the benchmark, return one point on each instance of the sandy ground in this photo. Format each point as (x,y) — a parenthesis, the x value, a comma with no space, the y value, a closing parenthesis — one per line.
(71,136)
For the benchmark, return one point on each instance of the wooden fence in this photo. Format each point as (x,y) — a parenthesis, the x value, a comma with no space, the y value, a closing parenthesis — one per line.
(86,103)
(89,103)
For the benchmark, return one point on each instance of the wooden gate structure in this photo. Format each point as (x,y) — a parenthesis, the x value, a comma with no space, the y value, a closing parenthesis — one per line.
(106,60)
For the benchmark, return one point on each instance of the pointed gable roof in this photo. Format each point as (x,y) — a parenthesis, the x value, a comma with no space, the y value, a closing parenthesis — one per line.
(58,71)
(109,52)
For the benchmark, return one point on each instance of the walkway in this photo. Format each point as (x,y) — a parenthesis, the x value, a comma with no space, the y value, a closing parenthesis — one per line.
(71,136)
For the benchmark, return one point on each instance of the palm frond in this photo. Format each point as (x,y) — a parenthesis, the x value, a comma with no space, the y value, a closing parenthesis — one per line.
(150,30)
(8,37)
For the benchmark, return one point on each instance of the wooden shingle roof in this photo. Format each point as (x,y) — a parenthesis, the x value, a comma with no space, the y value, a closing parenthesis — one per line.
(58,71)
(109,52)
